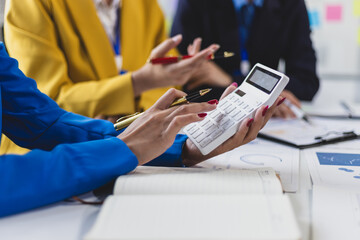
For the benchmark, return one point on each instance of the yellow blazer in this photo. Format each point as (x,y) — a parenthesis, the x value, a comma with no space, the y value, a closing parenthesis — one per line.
(63,46)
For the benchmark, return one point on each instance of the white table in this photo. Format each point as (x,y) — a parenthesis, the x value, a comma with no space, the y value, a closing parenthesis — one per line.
(72,221)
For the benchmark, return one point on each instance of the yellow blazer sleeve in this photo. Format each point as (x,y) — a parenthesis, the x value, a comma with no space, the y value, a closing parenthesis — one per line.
(33,38)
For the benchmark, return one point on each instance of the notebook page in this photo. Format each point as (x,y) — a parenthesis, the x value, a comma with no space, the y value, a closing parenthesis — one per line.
(196,217)
(163,180)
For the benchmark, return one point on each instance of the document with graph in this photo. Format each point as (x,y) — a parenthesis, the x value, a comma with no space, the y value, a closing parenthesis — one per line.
(283,159)
(334,167)
(316,132)
(196,203)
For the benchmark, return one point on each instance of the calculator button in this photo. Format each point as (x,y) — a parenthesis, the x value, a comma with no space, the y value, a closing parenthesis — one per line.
(219,117)
(229,109)
(245,106)
(207,125)
(235,112)
(193,129)
(239,116)
(239,102)
(250,109)
(211,129)
(205,142)
(223,103)
(217,133)
(224,120)
(201,137)
(214,113)
(204,122)
(258,104)
(228,124)
(197,134)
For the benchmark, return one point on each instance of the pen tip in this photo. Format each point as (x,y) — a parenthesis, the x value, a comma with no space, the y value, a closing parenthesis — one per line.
(228,54)
(205,91)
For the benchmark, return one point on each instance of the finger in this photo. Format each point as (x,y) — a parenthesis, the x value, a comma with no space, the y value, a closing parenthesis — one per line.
(168,98)
(291,97)
(197,45)
(178,122)
(237,139)
(166,46)
(256,125)
(286,112)
(273,109)
(100,116)
(199,57)
(192,108)
(229,90)
(113,119)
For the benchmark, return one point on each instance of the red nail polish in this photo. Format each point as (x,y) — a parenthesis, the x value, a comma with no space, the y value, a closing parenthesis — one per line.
(202,115)
(214,101)
(250,122)
(281,101)
(234,84)
(265,110)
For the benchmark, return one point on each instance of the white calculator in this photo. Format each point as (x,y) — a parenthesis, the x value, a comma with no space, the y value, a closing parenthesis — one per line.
(261,87)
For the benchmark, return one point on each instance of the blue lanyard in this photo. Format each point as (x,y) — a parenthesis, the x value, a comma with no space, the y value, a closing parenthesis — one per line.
(116,43)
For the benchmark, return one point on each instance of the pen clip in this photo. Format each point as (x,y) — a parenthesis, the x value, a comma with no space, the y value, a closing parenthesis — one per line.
(126,117)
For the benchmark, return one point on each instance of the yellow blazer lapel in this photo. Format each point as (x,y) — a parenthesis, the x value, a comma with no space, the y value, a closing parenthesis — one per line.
(93,37)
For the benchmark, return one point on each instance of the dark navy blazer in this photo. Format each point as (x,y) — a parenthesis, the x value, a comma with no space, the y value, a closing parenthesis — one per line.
(71,154)
(280,30)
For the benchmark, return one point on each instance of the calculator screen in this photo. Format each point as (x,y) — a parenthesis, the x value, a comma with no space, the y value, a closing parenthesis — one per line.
(263,80)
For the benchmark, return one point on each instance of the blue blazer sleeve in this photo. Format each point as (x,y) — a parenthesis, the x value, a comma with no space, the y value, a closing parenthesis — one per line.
(72,154)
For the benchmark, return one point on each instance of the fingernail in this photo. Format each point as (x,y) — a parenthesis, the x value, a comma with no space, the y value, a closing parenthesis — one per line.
(214,101)
(202,115)
(234,84)
(176,38)
(281,101)
(250,122)
(265,110)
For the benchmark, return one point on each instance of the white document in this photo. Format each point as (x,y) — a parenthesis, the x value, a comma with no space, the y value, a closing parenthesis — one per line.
(341,109)
(181,217)
(164,180)
(300,133)
(262,154)
(336,213)
(334,167)
(196,203)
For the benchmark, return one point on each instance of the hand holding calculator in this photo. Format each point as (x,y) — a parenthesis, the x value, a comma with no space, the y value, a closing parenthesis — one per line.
(261,87)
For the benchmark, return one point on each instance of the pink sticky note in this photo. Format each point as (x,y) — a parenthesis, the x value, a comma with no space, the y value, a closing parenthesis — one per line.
(334,12)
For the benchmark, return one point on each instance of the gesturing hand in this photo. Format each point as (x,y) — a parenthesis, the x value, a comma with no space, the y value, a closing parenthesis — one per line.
(284,111)
(208,73)
(247,132)
(155,131)
(176,74)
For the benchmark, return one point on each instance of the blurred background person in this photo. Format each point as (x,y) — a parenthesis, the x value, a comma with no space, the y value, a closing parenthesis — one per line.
(90,55)
(264,31)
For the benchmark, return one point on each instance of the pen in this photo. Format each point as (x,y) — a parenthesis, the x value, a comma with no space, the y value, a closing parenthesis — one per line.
(169,60)
(297,111)
(347,108)
(123,122)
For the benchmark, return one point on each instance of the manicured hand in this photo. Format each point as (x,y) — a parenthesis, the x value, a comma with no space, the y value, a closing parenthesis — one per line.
(155,131)
(247,132)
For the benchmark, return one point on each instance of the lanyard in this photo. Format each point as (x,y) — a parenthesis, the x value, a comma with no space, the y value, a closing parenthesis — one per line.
(116,42)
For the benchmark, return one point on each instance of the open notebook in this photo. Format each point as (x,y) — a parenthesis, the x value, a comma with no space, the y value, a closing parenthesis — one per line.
(196,203)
